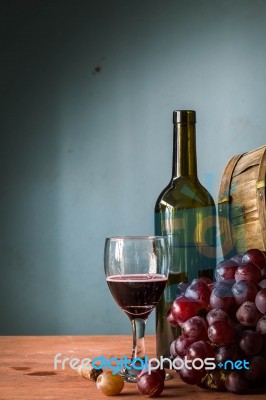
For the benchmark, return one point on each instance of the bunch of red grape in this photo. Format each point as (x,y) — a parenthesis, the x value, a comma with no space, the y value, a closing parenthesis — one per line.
(223,321)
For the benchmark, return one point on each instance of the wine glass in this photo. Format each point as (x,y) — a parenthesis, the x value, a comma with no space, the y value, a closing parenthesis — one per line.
(136,269)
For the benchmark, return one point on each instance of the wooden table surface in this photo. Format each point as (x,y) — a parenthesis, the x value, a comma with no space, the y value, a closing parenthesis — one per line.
(27,370)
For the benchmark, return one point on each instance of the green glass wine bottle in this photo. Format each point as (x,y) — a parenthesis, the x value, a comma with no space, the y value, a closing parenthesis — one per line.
(185,212)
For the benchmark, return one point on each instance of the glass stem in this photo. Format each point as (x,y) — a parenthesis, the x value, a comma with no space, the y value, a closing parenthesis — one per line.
(138,329)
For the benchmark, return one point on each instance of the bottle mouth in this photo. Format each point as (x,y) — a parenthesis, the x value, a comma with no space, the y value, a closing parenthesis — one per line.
(184,117)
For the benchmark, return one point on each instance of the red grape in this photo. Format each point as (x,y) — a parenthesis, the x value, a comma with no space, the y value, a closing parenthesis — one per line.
(221,333)
(261,326)
(228,352)
(251,342)
(178,363)
(248,272)
(260,301)
(257,368)
(179,346)
(216,315)
(236,383)
(200,292)
(192,376)
(255,256)
(221,297)
(244,291)
(195,328)
(150,385)
(200,349)
(159,371)
(248,314)
(184,308)
(225,271)
(171,319)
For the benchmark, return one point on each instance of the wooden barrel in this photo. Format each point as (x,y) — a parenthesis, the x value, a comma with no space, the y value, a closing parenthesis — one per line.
(241,203)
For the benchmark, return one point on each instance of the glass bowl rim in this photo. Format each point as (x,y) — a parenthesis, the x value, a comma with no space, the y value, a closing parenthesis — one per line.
(143,237)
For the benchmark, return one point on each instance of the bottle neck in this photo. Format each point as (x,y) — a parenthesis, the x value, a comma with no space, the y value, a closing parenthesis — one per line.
(184,151)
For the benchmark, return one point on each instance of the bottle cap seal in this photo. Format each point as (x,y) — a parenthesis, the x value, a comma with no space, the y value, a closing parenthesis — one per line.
(184,117)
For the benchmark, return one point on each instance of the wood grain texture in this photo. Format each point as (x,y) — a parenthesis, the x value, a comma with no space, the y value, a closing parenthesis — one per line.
(27,370)
(242,208)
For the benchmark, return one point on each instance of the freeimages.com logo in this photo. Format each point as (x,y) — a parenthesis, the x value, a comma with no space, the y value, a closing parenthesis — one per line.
(151,364)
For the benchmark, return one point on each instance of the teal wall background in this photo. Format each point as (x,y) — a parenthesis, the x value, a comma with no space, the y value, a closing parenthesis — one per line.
(87,93)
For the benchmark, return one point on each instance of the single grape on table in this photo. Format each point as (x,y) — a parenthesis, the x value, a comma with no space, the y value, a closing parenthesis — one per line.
(110,384)
(150,384)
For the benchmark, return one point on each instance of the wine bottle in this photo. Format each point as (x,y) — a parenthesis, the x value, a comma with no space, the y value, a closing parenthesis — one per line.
(185,212)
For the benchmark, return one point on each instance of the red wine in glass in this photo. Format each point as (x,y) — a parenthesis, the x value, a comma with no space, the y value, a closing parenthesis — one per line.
(137,295)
